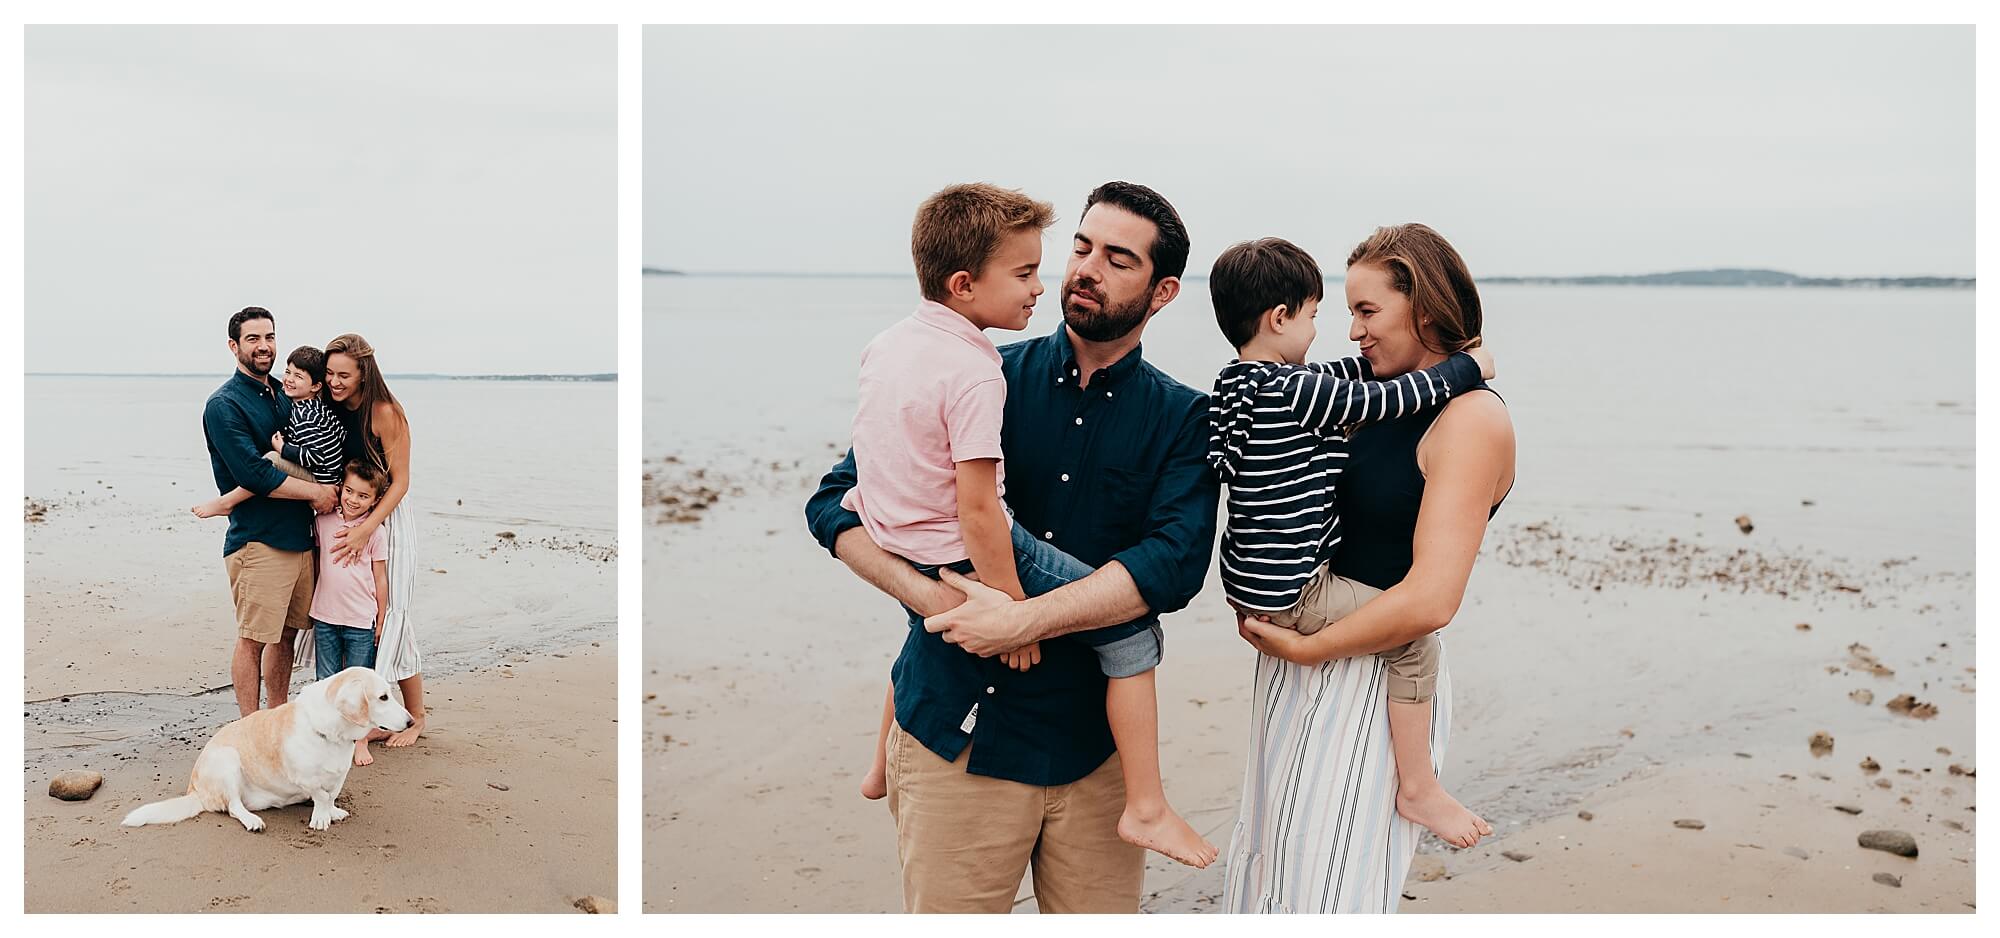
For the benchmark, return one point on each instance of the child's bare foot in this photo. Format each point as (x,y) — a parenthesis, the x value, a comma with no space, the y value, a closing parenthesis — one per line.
(1159,829)
(213,508)
(361,754)
(875,785)
(409,736)
(1435,808)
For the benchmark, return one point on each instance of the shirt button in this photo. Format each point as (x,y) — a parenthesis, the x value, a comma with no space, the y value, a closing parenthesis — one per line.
(1059,379)
(1079,421)
(1107,394)
(989,690)
(1065,477)
(1048,535)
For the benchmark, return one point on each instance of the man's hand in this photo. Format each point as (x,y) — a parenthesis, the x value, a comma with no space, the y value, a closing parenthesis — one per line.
(1276,641)
(1484,357)
(1024,657)
(323,502)
(989,623)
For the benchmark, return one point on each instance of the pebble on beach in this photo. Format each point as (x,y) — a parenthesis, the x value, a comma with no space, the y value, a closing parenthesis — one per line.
(1899,843)
(1889,879)
(1862,696)
(1821,743)
(1517,856)
(1847,809)
(595,905)
(1743,524)
(75,785)
(1909,706)
(1689,824)
(1585,815)
(1869,765)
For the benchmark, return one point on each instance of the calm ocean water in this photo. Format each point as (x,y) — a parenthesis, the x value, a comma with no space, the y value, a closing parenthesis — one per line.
(1627,401)
(514,452)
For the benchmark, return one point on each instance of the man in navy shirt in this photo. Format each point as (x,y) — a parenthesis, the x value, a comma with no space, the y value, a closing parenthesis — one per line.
(268,550)
(991,770)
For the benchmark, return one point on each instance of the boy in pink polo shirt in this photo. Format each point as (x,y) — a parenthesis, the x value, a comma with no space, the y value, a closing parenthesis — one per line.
(929,478)
(349,599)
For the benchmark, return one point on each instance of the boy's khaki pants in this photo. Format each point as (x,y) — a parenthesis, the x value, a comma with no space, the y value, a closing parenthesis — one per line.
(965,840)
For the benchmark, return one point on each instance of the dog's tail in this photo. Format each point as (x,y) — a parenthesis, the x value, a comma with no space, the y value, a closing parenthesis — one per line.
(164,812)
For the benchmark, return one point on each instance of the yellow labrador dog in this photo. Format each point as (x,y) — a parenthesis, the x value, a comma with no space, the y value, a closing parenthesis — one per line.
(296,752)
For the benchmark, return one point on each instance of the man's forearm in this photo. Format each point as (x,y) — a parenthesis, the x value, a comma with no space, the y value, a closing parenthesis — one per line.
(1104,598)
(892,574)
(297,489)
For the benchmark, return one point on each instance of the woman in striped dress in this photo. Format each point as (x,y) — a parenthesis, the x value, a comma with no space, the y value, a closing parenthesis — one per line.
(1318,830)
(379,432)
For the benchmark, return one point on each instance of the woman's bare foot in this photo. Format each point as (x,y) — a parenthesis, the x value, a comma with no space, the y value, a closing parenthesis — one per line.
(213,508)
(1159,829)
(875,785)
(361,754)
(409,736)
(1435,808)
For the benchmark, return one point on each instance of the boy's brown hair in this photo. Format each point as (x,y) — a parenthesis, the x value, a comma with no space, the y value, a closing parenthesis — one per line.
(310,360)
(1253,277)
(362,469)
(960,227)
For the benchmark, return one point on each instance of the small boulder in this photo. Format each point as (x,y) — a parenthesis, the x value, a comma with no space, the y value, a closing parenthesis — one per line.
(1899,843)
(75,785)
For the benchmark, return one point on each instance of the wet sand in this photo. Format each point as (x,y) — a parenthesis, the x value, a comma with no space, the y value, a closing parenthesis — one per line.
(1599,665)
(520,763)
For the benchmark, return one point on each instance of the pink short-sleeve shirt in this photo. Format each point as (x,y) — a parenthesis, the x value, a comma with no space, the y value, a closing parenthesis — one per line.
(344,594)
(932,396)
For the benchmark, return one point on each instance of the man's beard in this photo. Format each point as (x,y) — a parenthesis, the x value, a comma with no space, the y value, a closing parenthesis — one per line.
(1107,323)
(249,363)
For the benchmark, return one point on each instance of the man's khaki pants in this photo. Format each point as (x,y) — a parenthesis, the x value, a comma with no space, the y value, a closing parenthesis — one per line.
(965,840)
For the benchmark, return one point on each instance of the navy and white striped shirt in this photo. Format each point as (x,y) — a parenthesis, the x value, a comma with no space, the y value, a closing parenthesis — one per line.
(315,440)
(1277,438)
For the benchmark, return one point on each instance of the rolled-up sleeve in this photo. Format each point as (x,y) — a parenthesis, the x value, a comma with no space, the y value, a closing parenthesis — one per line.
(1170,563)
(230,435)
(825,518)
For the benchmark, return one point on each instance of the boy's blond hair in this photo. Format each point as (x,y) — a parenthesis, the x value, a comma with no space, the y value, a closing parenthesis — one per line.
(960,227)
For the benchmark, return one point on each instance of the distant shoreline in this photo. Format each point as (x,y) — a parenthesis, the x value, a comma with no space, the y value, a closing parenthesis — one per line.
(1716,277)
(604,376)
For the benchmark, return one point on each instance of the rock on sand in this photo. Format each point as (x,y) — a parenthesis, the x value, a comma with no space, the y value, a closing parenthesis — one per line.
(595,905)
(1899,843)
(1821,743)
(75,785)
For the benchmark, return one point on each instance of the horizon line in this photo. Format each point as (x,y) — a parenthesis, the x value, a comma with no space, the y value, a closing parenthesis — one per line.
(655,270)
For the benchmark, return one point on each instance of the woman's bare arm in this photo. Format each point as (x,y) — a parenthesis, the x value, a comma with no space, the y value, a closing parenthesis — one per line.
(1468,464)
(395,433)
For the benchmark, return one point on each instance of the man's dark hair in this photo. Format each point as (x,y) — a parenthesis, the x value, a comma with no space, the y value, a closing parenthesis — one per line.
(1170,241)
(1255,276)
(310,360)
(245,315)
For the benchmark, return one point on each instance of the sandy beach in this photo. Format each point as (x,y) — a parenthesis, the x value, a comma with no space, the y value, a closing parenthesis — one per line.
(129,628)
(520,763)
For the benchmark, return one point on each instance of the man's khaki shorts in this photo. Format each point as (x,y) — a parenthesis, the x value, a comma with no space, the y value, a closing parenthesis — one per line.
(272,588)
(1328,598)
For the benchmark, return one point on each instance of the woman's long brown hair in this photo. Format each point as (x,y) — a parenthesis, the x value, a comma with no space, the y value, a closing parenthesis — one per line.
(371,391)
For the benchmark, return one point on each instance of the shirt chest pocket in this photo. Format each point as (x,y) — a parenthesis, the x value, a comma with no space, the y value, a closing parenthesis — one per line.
(1123,497)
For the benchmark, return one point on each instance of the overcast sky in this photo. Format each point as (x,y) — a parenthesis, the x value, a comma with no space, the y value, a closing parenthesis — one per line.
(447,192)
(1537,150)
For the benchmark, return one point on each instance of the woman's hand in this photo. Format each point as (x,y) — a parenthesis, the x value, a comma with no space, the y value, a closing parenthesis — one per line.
(350,542)
(1276,641)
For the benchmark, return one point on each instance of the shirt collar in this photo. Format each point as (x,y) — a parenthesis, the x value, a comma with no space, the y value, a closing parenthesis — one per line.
(343,518)
(260,387)
(945,319)
(1115,374)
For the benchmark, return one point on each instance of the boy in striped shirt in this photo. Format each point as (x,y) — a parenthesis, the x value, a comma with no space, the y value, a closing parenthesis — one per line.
(312,445)
(1277,438)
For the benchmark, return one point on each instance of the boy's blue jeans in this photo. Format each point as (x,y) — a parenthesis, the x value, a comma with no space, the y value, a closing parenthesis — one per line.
(339,647)
(1122,650)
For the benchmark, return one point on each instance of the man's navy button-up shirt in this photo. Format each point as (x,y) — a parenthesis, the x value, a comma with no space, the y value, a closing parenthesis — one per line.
(1112,471)
(238,420)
